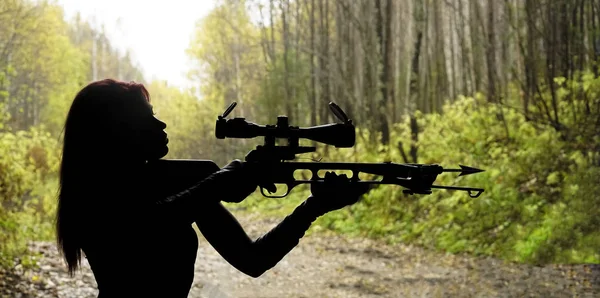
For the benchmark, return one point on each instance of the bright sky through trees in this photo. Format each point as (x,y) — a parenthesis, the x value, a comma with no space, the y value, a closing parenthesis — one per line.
(156,32)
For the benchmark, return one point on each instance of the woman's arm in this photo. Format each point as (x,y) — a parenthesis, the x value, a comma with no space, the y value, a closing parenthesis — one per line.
(231,183)
(253,257)
(226,235)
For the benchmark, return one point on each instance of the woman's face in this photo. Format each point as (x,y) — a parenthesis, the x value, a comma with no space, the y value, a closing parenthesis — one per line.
(142,133)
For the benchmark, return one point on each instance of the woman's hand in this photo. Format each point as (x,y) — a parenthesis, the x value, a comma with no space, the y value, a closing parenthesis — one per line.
(336,192)
(240,180)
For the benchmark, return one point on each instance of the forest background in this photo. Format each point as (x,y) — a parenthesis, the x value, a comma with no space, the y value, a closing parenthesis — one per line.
(511,87)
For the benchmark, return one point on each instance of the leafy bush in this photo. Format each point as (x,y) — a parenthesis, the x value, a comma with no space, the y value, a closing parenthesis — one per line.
(28,167)
(541,186)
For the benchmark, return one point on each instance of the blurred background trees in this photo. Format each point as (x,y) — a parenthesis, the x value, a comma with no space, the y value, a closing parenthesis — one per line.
(508,86)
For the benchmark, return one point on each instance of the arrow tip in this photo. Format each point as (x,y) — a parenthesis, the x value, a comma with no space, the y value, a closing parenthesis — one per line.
(469,170)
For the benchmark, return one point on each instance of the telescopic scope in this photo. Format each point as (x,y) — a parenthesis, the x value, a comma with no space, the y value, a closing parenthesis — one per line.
(341,135)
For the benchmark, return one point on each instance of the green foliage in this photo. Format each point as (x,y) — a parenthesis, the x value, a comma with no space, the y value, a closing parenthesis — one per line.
(46,61)
(28,167)
(285,75)
(229,62)
(541,191)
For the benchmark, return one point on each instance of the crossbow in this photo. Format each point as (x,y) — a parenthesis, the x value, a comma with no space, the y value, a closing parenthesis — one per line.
(415,178)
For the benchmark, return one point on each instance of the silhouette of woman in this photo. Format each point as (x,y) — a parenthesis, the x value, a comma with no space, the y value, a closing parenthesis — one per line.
(137,243)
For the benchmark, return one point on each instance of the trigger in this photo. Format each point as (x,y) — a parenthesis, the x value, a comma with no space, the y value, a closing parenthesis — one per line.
(270,187)
(262,190)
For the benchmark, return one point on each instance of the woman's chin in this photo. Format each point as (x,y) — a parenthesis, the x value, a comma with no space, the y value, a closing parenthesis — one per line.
(164,152)
(158,154)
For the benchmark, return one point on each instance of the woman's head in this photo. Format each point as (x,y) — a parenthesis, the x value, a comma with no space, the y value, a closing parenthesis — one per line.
(110,128)
(113,121)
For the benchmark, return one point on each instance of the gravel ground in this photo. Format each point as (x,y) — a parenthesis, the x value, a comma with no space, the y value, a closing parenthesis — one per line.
(333,266)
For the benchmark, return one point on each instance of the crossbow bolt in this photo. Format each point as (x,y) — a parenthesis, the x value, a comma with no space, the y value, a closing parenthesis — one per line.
(464,170)
(469,170)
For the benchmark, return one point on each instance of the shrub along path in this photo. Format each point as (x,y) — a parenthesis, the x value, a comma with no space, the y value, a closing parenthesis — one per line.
(333,266)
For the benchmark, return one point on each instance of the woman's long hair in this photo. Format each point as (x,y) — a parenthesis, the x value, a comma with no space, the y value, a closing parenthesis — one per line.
(89,146)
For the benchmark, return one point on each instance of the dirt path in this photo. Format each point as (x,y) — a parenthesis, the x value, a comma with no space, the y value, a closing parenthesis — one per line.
(333,266)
